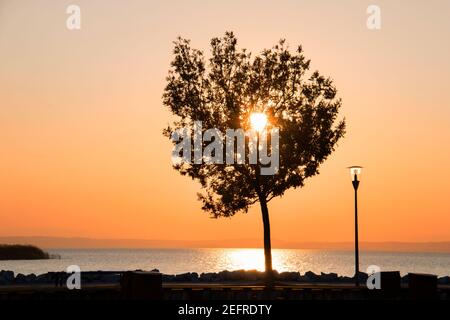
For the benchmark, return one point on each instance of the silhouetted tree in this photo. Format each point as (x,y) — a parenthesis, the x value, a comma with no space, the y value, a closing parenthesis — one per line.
(224,91)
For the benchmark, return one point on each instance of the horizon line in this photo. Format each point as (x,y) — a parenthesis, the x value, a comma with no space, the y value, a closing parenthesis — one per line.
(54,242)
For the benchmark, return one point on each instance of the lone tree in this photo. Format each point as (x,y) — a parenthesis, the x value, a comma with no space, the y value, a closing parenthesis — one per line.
(224,91)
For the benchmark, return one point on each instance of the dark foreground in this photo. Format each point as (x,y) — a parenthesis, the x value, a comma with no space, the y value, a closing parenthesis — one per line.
(226,286)
(224,291)
(144,293)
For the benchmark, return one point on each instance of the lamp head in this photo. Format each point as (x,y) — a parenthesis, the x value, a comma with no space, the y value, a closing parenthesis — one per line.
(355,172)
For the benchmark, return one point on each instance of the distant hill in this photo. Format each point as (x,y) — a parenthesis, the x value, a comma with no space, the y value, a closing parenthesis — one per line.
(21,252)
(61,242)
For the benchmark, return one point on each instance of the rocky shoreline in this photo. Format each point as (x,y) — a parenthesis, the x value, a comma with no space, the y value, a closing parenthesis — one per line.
(113,277)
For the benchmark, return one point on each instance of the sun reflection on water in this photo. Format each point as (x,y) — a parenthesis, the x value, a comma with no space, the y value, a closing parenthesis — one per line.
(252,259)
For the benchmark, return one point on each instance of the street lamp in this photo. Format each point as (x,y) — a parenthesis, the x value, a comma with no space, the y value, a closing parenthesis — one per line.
(355,173)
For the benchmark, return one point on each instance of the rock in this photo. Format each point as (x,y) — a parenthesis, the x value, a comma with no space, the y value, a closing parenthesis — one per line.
(99,277)
(345,279)
(155,270)
(168,277)
(310,277)
(237,275)
(328,277)
(405,279)
(289,276)
(44,278)
(6,277)
(183,277)
(20,279)
(223,275)
(255,275)
(194,276)
(30,278)
(444,280)
(208,277)
(362,277)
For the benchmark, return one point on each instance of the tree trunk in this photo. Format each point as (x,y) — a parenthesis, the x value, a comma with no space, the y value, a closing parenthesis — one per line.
(267,244)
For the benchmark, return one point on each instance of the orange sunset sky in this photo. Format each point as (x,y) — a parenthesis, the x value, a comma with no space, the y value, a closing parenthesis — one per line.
(81,118)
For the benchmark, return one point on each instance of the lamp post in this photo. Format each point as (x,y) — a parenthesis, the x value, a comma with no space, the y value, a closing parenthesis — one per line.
(355,173)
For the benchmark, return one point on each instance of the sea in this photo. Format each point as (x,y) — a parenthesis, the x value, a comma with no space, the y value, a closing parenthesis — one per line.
(177,261)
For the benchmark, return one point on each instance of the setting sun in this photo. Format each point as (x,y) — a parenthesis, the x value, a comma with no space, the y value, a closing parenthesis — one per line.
(258,121)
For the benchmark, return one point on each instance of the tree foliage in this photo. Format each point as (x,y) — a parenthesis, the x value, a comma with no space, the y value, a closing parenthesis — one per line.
(225,89)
